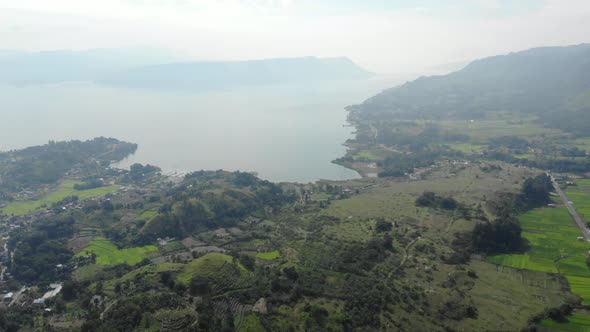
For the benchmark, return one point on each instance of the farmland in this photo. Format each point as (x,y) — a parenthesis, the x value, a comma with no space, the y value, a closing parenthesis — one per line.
(579,322)
(580,196)
(108,254)
(495,126)
(554,247)
(65,189)
(466,148)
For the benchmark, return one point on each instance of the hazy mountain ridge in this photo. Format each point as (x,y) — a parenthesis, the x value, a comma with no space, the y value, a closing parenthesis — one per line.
(29,68)
(155,68)
(226,74)
(540,80)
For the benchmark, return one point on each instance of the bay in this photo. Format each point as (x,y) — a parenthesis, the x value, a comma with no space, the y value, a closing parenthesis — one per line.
(283,133)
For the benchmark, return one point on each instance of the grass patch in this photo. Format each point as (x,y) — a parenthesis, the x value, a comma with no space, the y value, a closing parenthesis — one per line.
(108,254)
(366,155)
(65,189)
(87,272)
(371,154)
(251,323)
(523,156)
(578,322)
(580,286)
(147,215)
(350,230)
(580,196)
(172,247)
(269,255)
(320,196)
(466,148)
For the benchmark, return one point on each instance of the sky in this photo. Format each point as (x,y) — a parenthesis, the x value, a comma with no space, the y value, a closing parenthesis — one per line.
(384,36)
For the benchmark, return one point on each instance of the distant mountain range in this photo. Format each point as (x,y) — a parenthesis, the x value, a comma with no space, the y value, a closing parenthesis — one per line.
(545,81)
(221,74)
(157,69)
(26,68)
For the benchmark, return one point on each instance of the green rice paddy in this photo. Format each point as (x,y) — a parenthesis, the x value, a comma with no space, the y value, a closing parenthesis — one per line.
(576,323)
(108,254)
(580,196)
(554,247)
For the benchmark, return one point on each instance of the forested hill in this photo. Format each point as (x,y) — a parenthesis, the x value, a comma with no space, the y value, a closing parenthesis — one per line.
(46,164)
(227,74)
(545,81)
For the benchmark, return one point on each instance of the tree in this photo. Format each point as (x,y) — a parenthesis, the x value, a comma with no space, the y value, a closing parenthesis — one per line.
(69,290)
(535,191)
(501,235)
(383,226)
(198,286)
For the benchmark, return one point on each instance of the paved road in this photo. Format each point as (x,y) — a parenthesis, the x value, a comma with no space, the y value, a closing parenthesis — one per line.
(577,219)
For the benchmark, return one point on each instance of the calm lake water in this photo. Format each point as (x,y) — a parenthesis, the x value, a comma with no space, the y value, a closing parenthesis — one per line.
(287,133)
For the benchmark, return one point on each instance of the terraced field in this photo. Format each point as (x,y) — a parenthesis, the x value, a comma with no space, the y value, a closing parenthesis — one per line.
(205,266)
(108,254)
(66,189)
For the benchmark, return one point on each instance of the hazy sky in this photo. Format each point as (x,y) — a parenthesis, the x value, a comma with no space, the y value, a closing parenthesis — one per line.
(385,36)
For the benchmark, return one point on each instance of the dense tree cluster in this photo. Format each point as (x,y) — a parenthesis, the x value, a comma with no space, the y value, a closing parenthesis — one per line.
(504,233)
(38,252)
(500,235)
(430,199)
(535,191)
(190,209)
(89,184)
(138,172)
(399,164)
(49,163)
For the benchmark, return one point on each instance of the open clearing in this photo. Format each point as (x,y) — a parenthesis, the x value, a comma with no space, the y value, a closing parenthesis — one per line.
(269,255)
(466,148)
(65,189)
(108,254)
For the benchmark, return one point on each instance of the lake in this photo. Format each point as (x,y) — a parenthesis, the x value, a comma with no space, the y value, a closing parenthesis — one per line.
(286,133)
